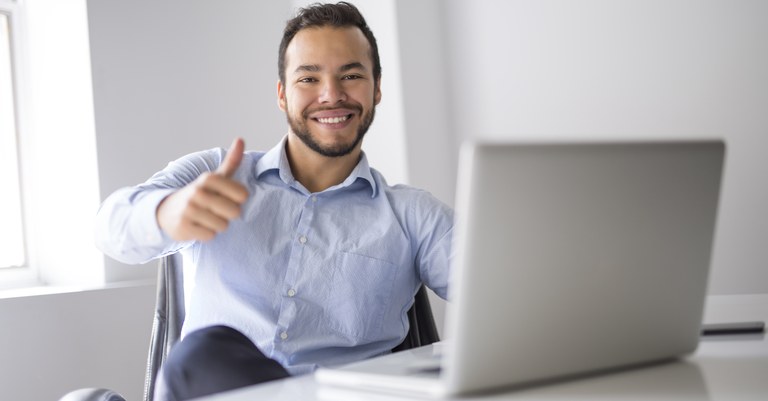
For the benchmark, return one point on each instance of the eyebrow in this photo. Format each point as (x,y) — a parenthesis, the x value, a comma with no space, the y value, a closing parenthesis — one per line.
(308,68)
(317,68)
(352,66)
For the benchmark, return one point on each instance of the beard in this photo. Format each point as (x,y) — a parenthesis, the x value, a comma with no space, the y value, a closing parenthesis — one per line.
(300,128)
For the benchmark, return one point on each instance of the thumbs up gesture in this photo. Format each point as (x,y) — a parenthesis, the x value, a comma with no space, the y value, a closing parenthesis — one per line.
(205,206)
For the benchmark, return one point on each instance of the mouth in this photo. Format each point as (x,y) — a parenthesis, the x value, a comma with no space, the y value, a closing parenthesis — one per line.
(333,120)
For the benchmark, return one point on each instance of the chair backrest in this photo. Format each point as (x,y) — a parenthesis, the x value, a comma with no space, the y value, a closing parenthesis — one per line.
(422,329)
(169,316)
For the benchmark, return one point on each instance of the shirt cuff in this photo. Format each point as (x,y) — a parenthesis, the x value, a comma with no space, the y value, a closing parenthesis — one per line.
(144,225)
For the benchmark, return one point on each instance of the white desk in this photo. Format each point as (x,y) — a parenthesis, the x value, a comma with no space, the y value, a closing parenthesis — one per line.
(725,368)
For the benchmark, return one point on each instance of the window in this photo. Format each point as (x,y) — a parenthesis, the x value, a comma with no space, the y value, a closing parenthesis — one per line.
(12,252)
(47,147)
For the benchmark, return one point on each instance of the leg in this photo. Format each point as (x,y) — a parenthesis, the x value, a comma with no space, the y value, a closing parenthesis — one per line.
(212,360)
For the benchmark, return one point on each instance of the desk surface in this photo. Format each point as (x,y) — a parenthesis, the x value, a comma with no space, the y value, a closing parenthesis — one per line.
(723,368)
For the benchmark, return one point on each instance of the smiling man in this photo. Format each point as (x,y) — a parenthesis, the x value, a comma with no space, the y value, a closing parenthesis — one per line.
(303,255)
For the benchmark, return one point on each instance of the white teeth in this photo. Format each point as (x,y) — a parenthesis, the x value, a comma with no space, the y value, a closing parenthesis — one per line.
(333,120)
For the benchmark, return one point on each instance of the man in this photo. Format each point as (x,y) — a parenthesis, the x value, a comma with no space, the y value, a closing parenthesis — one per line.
(303,255)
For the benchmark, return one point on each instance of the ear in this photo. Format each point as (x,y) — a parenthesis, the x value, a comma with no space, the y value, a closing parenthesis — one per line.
(281,96)
(377,93)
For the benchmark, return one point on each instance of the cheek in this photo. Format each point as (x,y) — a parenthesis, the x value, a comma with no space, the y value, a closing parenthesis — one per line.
(297,100)
(367,97)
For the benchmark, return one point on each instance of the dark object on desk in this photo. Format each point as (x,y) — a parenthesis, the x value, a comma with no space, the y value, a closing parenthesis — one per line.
(169,316)
(714,329)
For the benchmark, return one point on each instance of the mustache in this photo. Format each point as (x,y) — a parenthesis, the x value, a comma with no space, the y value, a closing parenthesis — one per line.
(356,107)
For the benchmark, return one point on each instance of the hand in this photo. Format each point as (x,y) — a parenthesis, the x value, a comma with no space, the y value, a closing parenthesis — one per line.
(205,206)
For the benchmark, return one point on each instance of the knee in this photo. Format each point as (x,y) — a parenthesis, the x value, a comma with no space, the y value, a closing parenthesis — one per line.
(209,345)
(215,359)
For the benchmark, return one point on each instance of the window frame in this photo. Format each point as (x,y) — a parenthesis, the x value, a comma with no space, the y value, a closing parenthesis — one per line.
(27,274)
(54,98)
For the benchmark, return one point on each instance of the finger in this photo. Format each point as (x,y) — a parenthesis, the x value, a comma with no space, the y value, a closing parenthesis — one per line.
(199,233)
(190,229)
(221,206)
(225,187)
(232,159)
(207,219)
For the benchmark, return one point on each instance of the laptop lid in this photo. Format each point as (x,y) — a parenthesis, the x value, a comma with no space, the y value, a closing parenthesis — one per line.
(577,257)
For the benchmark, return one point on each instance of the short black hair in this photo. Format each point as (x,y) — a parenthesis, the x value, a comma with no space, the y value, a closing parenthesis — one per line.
(341,14)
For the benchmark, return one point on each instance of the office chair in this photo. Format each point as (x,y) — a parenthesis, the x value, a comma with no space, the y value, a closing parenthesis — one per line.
(169,316)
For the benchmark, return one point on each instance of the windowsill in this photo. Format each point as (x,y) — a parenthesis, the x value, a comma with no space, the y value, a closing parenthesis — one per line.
(43,290)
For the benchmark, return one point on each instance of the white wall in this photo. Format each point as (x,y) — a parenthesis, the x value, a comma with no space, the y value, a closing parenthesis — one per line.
(628,68)
(431,145)
(53,344)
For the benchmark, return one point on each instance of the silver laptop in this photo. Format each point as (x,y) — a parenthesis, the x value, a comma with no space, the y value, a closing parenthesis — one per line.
(571,258)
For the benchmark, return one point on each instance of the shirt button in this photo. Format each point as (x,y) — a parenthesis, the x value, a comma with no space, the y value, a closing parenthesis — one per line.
(291,292)
(314,199)
(303,239)
(284,335)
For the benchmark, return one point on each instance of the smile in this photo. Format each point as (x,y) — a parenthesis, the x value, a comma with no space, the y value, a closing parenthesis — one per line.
(333,120)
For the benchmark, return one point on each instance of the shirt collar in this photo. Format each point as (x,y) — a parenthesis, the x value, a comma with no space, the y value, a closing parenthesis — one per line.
(276,159)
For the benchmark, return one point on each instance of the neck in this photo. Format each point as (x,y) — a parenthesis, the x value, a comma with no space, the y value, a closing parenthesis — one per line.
(315,171)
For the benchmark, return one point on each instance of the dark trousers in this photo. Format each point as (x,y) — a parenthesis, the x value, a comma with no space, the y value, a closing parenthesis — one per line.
(212,360)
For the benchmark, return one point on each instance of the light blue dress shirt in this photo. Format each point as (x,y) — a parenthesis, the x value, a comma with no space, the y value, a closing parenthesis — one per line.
(311,278)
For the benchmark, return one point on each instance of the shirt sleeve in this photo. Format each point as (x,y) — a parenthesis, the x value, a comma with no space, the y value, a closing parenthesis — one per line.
(434,254)
(126,223)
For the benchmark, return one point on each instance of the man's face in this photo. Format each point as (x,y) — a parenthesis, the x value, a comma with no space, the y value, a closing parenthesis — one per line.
(329,95)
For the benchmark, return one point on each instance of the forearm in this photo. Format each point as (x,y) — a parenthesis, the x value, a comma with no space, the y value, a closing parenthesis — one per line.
(127,228)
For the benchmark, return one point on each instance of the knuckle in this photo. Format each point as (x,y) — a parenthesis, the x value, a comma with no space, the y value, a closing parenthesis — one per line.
(199,194)
(206,178)
(187,214)
(242,194)
(232,212)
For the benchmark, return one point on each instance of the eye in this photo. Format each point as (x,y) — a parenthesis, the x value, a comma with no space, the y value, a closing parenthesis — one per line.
(307,80)
(351,77)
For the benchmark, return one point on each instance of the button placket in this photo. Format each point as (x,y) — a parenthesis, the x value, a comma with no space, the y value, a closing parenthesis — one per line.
(288,309)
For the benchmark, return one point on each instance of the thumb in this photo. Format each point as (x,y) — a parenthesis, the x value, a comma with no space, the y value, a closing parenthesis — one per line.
(232,159)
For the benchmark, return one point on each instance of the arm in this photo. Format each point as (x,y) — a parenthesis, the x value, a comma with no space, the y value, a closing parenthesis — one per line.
(191,200)
(433,258)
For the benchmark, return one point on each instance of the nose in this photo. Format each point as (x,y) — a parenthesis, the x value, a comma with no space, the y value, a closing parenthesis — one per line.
(332,92)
